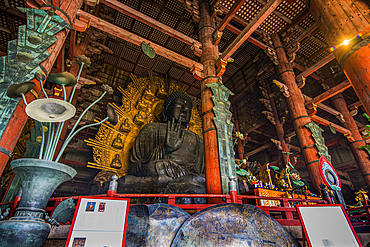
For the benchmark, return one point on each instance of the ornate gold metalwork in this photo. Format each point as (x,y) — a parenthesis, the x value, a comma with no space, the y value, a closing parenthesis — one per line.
(142,102)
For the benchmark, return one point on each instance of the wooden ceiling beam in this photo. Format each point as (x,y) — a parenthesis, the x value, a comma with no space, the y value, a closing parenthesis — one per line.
(354,105)
(278,13)
(240,95)
(254,128)
(338,128)
(316,66)
(304,34)
(298,19)
(230,15)
(318,52)
(252,40)
(257,150)
(325,108)
(121,33)
(330,93)
(301,68)
(120,7)
(249,29)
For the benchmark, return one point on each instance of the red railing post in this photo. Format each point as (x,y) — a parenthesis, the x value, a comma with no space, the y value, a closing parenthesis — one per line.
(171,200)
(113,186)
(232,190)
(288,215)
(15,203)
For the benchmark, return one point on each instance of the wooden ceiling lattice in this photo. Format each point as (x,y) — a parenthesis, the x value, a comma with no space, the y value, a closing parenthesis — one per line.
(116,48)
(3,20)
(272,24)
(160,67)
(307,22)
(130,55)
(248,10)
(17,3)
(309,48)
(140,71)
(291,10)
(175,45)
(321,56)
(123,21)
(320,36)
(17,23)
(175,6)
(126,65)
(167,19)
(142,29)
(159,37)
(4,38)
(146,61)
(149,10)
(131,3)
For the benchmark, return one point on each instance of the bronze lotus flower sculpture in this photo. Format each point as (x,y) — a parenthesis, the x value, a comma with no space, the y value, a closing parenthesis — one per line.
(55,111)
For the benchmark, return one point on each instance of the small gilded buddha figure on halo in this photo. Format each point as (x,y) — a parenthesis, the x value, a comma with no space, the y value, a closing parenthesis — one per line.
(116,162)
(117,142)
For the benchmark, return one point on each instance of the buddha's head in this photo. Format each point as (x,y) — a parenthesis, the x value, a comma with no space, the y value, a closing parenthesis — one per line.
(178,105)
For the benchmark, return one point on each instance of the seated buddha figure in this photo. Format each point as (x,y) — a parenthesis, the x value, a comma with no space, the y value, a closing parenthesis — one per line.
(117,142)
(116,162)
(167,148)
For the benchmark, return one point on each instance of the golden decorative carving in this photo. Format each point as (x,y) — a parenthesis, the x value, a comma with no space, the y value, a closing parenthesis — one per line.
(142,102)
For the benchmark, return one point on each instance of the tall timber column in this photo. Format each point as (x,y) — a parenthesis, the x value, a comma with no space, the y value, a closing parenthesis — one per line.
(361,157)
(298,114)
(344,20)
(208,59)
(278,125)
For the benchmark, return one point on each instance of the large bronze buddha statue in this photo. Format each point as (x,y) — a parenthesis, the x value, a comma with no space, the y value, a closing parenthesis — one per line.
(168,149)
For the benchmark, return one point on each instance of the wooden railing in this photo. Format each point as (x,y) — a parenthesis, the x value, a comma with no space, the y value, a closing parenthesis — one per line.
(360,217)
(285,214)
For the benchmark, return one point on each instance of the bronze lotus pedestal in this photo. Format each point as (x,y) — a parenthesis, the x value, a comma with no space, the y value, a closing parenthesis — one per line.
(39,180)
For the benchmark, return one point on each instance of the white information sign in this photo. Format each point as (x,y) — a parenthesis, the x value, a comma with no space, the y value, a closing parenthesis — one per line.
(327,226)
(99,222)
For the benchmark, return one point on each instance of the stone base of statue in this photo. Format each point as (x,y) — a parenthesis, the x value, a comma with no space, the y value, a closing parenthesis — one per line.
(39,180)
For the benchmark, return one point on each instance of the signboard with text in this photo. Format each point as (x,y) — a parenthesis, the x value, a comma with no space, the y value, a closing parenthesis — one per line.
(327,225)
(100,222)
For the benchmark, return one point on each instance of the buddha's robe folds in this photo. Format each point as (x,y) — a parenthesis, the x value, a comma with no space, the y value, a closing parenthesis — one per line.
(148,157)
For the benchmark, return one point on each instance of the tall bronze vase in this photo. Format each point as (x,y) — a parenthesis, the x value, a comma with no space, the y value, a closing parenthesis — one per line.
(39,180)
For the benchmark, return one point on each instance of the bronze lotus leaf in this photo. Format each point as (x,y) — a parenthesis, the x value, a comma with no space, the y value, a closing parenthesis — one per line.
(24,57)
(83,59)
(112,115)
(40,75)
(107,88)
(64,78)
(33,39)
(16,90)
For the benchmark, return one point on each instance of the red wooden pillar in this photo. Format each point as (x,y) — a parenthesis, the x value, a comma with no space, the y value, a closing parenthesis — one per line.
(361,157)
(343,20)
(208,59)
(298,114)
(278,125)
